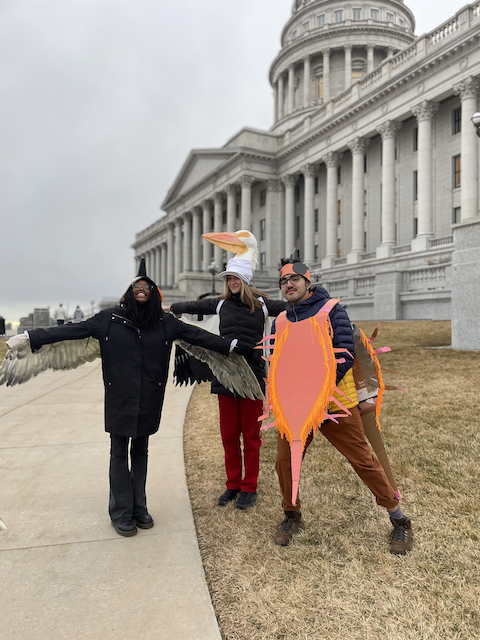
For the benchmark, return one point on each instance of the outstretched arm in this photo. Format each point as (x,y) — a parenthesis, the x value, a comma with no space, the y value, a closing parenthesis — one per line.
(342,339)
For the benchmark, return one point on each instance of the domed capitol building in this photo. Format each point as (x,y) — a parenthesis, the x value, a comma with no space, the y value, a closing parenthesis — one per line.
(370,170)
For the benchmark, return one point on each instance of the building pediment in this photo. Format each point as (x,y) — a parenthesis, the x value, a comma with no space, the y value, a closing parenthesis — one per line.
(199,164)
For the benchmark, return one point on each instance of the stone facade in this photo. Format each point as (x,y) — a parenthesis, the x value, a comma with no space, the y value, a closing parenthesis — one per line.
(370,169)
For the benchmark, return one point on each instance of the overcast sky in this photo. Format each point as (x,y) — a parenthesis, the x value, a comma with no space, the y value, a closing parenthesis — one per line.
(101,102)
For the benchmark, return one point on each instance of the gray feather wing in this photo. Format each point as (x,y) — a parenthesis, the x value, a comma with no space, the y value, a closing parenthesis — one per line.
(21,365)
(231,371)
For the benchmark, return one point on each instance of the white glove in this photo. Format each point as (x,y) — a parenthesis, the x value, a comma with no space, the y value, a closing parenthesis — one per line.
(17,341)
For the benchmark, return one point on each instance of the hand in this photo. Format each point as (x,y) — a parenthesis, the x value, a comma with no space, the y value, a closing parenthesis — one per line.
(17,341)
(166,309)
(243,349)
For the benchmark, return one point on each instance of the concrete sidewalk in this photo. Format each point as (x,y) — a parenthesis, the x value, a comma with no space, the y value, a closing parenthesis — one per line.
(64,572)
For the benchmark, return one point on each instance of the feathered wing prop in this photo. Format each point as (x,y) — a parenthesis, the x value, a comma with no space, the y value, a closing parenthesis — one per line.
(21,365)
(231,371)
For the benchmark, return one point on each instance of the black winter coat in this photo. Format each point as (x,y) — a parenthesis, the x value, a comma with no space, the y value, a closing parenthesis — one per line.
(236,321)
(342,329)
(134,362)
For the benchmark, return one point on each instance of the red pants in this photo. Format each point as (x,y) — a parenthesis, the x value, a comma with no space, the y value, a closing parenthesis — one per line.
(348,437)
(240,416)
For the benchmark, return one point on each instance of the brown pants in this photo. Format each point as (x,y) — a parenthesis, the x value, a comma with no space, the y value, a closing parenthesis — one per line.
(347,437)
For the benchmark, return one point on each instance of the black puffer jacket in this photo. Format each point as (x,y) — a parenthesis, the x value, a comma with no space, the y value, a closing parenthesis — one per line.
(134,361)
(342,329)
(236,321)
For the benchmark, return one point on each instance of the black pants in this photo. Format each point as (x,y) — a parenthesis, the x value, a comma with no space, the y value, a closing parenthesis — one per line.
(127,485)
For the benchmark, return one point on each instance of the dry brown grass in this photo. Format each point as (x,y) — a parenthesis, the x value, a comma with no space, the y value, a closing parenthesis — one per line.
(338,581)
(3,350)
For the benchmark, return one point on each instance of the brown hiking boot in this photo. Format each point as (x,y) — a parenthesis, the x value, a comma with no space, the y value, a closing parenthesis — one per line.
(401,538)
(292,524)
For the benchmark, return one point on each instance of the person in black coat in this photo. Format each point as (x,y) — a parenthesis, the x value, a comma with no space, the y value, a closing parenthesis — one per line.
(242,311)
(135,343)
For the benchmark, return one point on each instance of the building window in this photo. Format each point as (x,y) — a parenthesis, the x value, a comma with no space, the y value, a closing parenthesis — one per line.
(262,229)
(415,227)
(339,247)
(316,253)
(415,186)
(364,240)
(316,220)
(456,215)
(224,216)
(374,13)
(320,88)
(237,210)
(306,26)
(365,203)
(415,139)
(365,164)
(401,22)
(263,261)
(457,121)
(389,17)
(356,14)
(263,197)
(316,184)
(297,226)
(297,193)
(338,16)
(321,20)
(294,34)
(339,174)
(457,172)
(339,212)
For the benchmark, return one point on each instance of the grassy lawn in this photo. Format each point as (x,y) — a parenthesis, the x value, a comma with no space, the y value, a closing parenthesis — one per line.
(3,350)
(338,580)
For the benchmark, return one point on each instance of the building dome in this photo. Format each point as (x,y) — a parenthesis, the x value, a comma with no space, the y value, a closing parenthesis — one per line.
(328,46)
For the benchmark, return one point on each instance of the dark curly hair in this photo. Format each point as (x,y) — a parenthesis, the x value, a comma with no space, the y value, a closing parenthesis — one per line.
(145,314)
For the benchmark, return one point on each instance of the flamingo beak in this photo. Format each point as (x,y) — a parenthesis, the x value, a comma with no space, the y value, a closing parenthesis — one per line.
(228,241)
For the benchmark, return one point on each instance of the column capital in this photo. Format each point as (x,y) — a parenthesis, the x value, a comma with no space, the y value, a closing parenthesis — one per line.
(247,181)
(348,47)
(370,46)
(179,221)
(358,145)
(308,170)
(274,186)
(219,197)
(332,159)
(197,210)
(389,129)
(232,189)
(289,181)
(468,88)
(326,51)
(425,110)
(207,203)
(186,216)
(307,58)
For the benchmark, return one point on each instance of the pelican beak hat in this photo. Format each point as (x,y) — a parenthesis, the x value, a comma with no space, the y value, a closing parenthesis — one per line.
(142,275)
(297,268)
(244,245)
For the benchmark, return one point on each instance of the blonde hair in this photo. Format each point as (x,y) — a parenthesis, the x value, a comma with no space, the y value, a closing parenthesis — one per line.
(248,295)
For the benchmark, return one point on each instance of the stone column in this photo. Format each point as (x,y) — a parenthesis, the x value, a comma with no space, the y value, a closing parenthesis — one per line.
(370,50)
(158,262)
(291,88)
(207,246)
(348,65)
(309,214)
(246,183)
(187,242)
(275,101)
(231,191)
(273,222)
(306,82)
(196,238)
(289,182)
(388,131)
(424,113)
(332,160)
(148,263)
(163,262)
(326,75)
(170,255)
(178,249)
(358,148)
(218,227)
(281,96)
(465,278)
(468,91)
